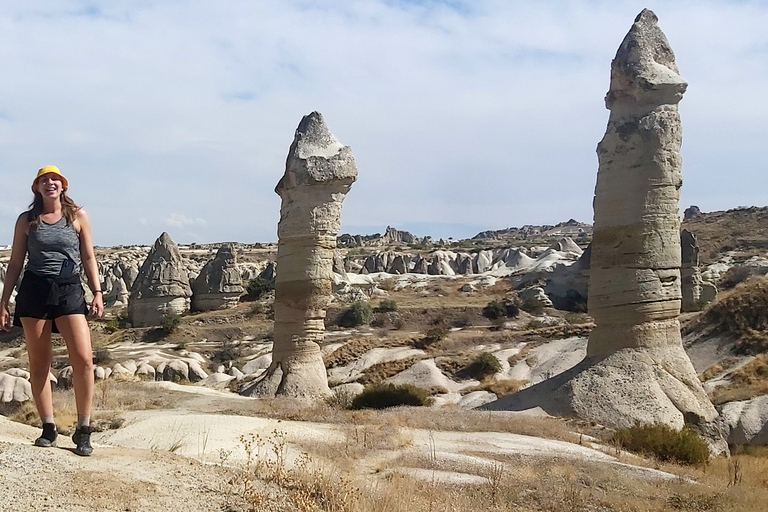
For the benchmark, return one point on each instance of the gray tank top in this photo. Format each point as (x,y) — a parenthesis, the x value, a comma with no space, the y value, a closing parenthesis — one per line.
(53,249)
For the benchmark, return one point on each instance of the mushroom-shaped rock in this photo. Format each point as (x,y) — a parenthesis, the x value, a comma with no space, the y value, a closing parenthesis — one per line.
(162,286)
(636,370)
(219,285)
(319,172)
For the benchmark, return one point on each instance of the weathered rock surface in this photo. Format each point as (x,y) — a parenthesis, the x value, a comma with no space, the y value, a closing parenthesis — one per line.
(219,285)
(319,171)
(14,389)
(690,275)
(746,422)
(162,286)
(636,369)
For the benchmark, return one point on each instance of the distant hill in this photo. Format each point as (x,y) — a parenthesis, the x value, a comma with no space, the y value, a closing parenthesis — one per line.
(741,229)
(571,228)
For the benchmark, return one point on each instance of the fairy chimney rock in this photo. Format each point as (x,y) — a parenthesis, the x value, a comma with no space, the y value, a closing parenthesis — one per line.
(319,171)
(161,287)
(636,370)
(219,285)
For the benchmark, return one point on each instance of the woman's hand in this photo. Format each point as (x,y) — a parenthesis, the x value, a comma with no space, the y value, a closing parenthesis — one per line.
(97,306)
(5,317)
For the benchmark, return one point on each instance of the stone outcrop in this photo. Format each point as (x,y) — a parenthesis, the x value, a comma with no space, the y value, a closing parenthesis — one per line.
(162,286)
(219,285)
(691,212)
(636,369)
(690,276)
(319,171)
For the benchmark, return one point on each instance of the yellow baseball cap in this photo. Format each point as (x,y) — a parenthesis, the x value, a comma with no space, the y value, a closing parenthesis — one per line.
(48,169)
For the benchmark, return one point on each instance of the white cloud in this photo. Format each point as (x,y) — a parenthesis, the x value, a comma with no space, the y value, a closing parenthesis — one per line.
(178,220)
(485,114)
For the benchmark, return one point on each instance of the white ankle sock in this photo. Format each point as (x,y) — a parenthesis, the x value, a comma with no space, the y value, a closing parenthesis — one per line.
(83,421)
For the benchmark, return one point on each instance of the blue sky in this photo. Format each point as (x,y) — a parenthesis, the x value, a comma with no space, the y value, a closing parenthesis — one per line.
(463,116)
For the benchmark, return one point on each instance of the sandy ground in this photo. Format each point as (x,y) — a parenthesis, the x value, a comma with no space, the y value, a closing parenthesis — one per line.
(184,458)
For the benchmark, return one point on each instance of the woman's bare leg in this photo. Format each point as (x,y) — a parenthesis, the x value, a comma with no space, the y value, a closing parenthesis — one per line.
(74,329)
(38,335)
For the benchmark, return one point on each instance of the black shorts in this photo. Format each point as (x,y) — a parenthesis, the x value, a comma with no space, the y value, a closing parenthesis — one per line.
(33,298)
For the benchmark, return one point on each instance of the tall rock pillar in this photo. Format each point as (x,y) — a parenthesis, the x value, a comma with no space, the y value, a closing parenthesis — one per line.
(639,371)
(319,172)
(636,370)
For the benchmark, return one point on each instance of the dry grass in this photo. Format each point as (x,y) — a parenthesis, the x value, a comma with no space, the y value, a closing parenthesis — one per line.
(743,312)
(747,382)
(111,398)
(509,483)
(500,387)
(740,229)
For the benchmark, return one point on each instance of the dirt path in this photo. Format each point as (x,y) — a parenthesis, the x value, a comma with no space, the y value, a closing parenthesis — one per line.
(114,479)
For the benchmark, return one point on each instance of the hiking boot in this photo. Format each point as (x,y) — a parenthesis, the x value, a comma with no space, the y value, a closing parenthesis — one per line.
(48,438)
(82,440)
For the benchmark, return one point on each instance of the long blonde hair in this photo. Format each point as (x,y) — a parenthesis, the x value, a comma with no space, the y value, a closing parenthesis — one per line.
(68,208)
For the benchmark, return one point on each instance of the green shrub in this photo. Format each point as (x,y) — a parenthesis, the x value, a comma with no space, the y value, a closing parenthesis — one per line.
(113,325)
(257,287)
(505,308)
(435,334)
(381,396)
(170,322)
(386,305)
(484,365)
(359,313)
(398,324)
(664,442)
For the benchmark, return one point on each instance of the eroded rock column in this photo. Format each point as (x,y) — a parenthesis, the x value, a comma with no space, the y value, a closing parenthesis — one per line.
(690,275)
(318,173)
(219,285)
(162,286)
(640,371)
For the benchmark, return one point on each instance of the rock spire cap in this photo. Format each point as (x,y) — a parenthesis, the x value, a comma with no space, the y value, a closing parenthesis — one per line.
(644,69)
(317,156)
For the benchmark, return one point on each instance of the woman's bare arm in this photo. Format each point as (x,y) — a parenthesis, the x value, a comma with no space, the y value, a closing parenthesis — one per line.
(88,259)
(18,253)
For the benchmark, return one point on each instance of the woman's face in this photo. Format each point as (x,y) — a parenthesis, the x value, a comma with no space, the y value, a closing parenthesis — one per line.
(50,185)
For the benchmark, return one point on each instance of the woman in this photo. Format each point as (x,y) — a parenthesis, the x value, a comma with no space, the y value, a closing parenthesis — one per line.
(55,234)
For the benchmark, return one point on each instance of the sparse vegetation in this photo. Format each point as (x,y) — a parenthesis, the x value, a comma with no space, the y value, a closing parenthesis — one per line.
(386,306)
(170,322)
(382,396)
(359,313)
(484,365)
(745,313)
(432,336)
(257,288)
(503,308)
(664,443)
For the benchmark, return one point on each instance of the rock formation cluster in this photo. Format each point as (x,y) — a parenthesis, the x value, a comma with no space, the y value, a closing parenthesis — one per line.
(162,286)
(319,172)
